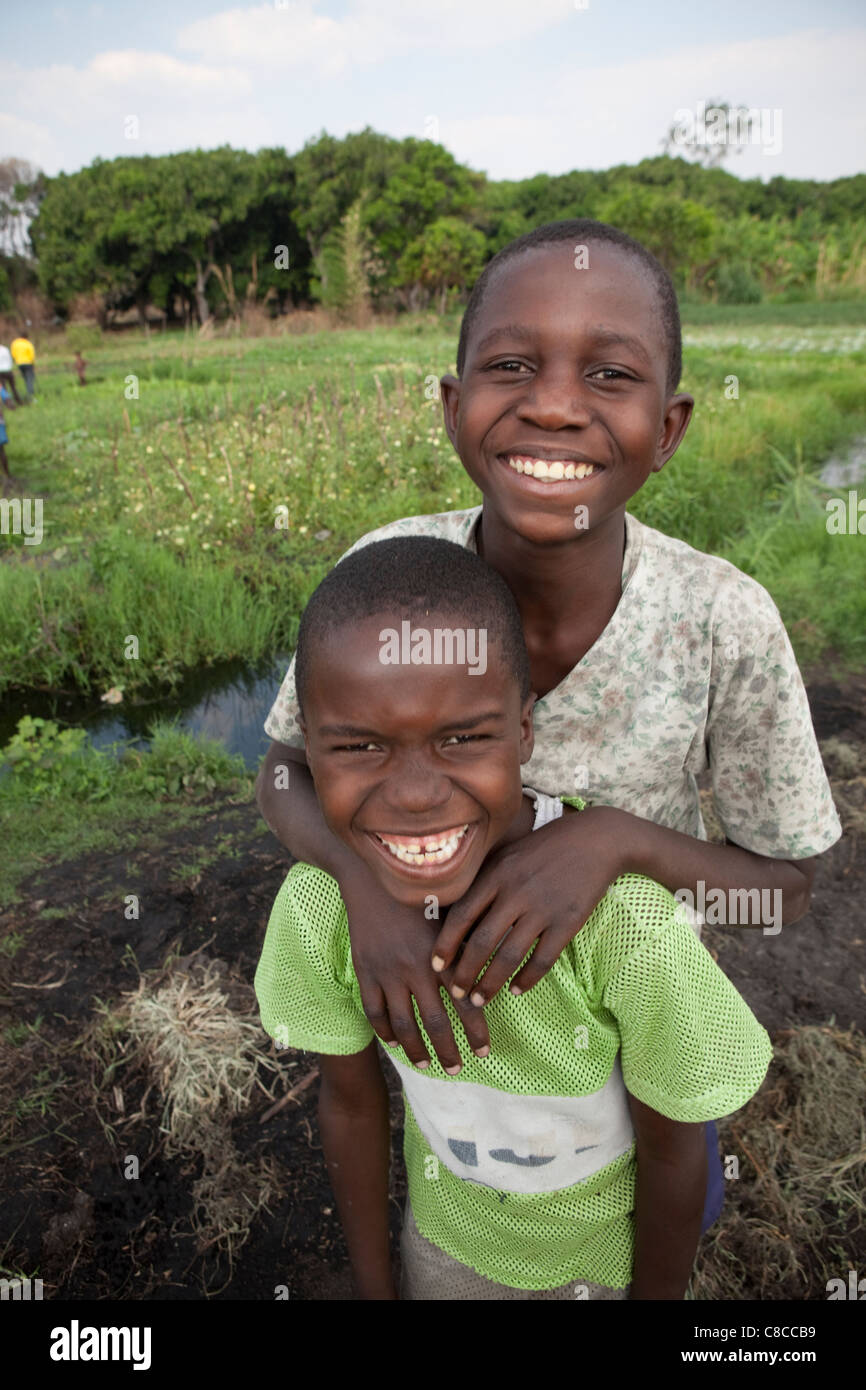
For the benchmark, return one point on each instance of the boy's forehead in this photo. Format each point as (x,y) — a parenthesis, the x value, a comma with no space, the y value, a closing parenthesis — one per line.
(407,668)
(607,287)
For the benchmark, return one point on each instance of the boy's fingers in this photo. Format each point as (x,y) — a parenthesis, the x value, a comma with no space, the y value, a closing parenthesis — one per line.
(405,1028)
(373,1001)
(437,1026)
(548,950)
(473,1020)
(459,920)
(489,934)
(510,955)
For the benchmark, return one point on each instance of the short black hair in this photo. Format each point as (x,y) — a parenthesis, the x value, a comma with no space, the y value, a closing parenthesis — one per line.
(582,231)
(413,575)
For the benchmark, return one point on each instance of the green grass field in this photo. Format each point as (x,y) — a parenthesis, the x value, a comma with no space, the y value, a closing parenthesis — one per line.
(162,482)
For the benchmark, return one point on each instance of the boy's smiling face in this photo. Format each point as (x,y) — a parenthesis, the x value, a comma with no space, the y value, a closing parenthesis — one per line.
(407,756)
(565,367)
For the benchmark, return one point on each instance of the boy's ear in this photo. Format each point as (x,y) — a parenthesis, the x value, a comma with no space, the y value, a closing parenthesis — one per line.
(527,733)
(449,389)
(678,413)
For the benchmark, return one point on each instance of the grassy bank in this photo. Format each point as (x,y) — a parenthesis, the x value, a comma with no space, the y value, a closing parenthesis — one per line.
(195,491)
(61,798)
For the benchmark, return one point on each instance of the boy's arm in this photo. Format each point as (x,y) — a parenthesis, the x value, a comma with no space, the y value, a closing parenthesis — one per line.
(391,944)
(356,1138)
(671,1187)
(523,894)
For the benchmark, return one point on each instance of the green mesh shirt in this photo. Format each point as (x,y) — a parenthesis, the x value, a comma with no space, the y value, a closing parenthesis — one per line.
(523,1165)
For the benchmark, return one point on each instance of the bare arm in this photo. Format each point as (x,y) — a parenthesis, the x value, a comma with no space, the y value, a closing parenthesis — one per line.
(548,883)
(356,1138)
(671,1185)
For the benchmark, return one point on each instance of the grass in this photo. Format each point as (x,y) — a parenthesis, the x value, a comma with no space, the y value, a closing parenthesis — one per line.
(204,1057)
(56,806)
(796,1216)
(197,516)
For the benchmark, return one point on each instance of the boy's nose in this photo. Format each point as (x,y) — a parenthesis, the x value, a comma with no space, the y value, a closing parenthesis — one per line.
(417,786)
(555,401)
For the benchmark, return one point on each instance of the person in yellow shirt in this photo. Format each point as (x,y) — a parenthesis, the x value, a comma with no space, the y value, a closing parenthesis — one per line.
(24,357)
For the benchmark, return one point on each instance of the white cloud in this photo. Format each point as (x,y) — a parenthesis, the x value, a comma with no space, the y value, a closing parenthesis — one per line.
(28,140)
(177,104)
(597,116)
(295,35)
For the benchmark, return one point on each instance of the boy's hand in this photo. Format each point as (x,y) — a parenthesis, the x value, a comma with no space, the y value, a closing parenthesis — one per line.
(391,948)
(540,888)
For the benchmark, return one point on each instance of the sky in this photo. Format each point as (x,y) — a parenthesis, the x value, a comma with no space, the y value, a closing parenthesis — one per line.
(511,87)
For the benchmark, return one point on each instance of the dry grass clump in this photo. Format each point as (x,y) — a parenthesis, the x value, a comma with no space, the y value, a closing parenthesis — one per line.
(795,1218)
(203,1056)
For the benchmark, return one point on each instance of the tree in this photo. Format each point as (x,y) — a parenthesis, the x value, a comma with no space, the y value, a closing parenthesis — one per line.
(427,185)
(345,264)
(678,231)
(447,256)
(711,133)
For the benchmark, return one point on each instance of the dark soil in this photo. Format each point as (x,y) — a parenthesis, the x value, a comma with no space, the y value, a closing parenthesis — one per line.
(68,1214)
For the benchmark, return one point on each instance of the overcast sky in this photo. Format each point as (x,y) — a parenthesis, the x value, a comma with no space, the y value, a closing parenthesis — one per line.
(513,87)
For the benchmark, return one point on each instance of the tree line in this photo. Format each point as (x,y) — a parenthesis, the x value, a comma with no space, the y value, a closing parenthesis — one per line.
(368,222)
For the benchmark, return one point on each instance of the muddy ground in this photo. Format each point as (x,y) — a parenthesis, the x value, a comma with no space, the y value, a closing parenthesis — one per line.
(68,1214)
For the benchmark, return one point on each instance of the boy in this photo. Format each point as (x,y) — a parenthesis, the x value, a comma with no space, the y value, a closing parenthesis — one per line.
(24,357)
(571,1163)
(4,440)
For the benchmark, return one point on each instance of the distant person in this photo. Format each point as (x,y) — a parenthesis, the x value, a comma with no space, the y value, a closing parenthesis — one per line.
(80,367)
(24,357)
(7,373)
(4,440)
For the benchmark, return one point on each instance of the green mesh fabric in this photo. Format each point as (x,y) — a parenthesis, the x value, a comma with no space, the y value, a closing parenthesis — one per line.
(635,982)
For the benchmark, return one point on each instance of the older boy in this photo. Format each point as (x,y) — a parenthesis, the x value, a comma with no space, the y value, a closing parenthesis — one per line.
(570,1161)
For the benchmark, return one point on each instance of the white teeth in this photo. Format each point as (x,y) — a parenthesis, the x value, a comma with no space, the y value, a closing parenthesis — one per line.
(441,850)
(551,472)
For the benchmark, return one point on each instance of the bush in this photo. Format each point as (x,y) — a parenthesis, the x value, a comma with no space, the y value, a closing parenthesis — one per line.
(735,284)
(83,336)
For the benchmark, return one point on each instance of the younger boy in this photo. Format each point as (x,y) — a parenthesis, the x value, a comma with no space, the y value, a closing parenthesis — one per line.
(570,1161)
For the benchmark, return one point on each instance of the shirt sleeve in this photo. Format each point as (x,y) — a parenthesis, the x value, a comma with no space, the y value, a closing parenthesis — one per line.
(691,1048)
(771,791)
(307,991)
(282,722)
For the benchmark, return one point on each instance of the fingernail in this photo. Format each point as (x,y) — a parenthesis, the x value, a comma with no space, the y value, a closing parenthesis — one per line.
(422,1065)
(515,989)
(452,1071)
(392,1044)
(438,962)
(482,1051)
(457,992)
(477,998)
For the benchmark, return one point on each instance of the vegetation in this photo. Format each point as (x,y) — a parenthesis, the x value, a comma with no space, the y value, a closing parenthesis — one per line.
(60,797)
(186,521)
(217,231)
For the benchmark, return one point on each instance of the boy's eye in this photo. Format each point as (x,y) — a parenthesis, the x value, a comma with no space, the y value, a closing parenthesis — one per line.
(507,364)
(356,748)
(610,373)
(464,738)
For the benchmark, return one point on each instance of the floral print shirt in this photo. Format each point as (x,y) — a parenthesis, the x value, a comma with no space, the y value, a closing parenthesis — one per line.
(694,671)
